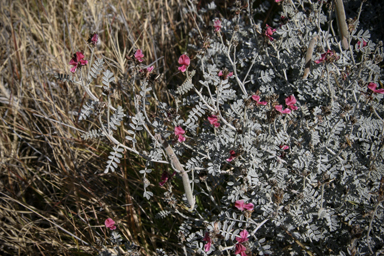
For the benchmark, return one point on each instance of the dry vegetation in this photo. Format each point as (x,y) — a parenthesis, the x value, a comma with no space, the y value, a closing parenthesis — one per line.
(54,196)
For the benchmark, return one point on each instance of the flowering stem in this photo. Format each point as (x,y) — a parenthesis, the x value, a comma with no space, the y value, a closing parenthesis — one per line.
(241,85)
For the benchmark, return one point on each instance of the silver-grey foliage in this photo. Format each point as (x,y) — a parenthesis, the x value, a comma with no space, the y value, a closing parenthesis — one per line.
(333,168)
(314,176)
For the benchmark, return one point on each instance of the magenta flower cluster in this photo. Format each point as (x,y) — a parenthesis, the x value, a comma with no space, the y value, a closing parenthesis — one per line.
(239,204)
(364,44)
(184,61)
(207,239)
(257,99)
(78,59)
(329,55)
(224,75)
(110,223)
(213,121)
(269,32)
(165,177)
(232,155)
(179,133)
(94,39)
(139,55)
(240,248)
(372,87)
(148,69)
(217,25)
(290,102)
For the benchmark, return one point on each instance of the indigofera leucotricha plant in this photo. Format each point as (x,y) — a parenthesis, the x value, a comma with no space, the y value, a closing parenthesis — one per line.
(308,158)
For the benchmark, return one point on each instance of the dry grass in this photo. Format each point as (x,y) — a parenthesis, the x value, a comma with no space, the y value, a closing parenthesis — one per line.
(55,197)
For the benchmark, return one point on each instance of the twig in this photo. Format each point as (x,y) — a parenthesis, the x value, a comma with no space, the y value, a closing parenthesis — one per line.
(370,225)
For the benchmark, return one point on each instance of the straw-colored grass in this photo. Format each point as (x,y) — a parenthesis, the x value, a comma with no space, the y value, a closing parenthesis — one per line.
(54,196)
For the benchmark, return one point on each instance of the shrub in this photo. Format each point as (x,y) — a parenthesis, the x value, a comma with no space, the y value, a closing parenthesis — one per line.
(283,121)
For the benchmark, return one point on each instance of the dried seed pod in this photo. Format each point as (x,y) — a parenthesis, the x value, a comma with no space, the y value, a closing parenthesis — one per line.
(308,56)
(342,23)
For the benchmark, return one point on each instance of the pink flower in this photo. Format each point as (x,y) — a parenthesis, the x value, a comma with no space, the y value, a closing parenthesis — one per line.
(278,1)
(280,109)
(240,249)
(181,138)
(284,147)
(179,132)
(243,236)
(233,155)
(184,61)
(372,87)
(217,25)
(225,74)
(76,60)
(110,223)
(269,32)
(290,101)
(257,99)
(243,206)
(328,56)
(213,120)
(322,59)
(164,178)
(149,69)
(94,39)
(209,242)
(139,55)
(364,44)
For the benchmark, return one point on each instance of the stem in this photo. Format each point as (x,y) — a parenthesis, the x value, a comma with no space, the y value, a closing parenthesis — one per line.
(331,91)
(370,225)
(233,63)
